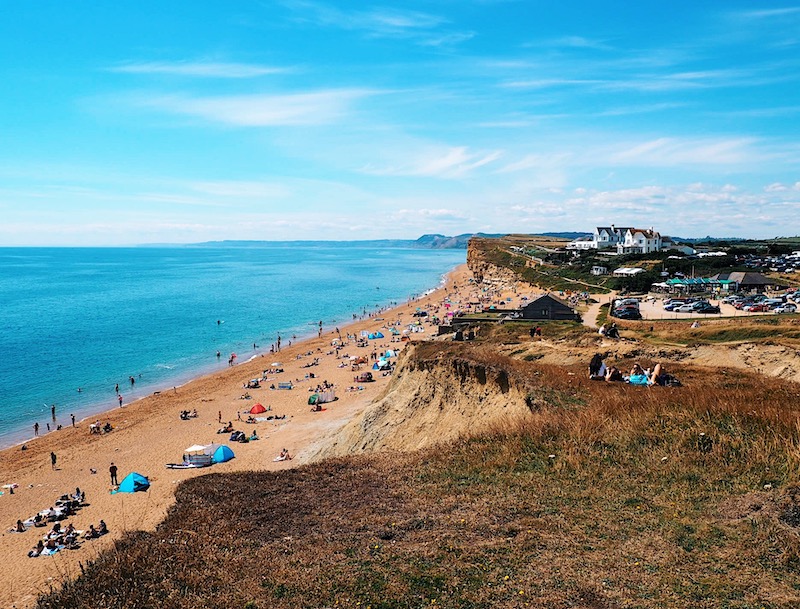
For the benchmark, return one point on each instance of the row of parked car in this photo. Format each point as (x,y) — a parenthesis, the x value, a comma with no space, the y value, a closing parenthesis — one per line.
(690,305)
(759,303)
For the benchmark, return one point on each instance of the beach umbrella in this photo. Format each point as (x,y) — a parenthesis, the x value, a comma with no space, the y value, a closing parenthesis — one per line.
(257,409)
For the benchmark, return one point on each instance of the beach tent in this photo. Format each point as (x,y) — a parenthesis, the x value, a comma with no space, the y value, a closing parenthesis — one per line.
(222,454)
(134,482)
(199,455)
(394,331)
(257,409)
(390,353)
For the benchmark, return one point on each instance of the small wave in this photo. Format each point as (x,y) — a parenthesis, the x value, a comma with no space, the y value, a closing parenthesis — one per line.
(165,366)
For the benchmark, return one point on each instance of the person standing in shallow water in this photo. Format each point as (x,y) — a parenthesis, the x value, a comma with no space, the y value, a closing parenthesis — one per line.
(36,429)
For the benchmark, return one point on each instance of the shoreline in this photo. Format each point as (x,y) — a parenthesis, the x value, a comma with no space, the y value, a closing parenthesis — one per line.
(148,433)
(14,439)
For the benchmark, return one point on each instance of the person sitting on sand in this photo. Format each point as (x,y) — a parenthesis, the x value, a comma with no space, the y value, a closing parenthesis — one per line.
(91,533)
(597,368)
(37,550)
(102,529)
(251,419)
(254,436)
(284,456)
(18,528)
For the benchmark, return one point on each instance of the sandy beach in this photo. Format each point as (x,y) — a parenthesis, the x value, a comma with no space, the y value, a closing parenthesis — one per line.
(149,433)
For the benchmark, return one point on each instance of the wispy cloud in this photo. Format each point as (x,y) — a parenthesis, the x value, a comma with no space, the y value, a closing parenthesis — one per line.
(425,28)
(316,108)
(770,13)
(201,69)
(454,162)
(683,151)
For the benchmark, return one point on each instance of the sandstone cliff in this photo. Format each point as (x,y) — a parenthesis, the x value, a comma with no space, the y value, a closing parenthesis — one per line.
(439,392)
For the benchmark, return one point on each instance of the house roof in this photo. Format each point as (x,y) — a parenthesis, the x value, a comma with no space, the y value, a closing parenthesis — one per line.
(549,296)
(650,234)
(745,278)
(616,229)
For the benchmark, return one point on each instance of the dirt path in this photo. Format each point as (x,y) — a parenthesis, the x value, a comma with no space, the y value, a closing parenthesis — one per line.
(590,316)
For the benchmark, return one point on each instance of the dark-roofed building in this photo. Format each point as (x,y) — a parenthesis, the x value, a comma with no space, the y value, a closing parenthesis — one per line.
(748,280)
(550,307)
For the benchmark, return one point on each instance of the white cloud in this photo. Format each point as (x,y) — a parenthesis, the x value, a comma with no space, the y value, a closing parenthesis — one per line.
(447,215)
(682,151)
(247,189)
(776,187)
(423,28)
(203,69)
(262,110)
(454,162)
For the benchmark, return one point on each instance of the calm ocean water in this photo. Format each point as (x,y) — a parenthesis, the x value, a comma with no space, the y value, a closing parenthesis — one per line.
(92,317)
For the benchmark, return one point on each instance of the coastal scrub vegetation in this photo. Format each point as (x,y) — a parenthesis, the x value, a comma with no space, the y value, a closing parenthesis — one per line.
(605,496)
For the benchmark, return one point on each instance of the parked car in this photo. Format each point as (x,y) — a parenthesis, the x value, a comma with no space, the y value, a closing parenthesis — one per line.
(672,306)
(786,308)
(685,308)
(707,308)
(756,307)
(631,313)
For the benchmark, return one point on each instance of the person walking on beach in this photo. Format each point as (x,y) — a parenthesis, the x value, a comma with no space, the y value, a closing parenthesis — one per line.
(219,416)
(36,428)
(119,397)
(53,459)
(72,416)
(113,471)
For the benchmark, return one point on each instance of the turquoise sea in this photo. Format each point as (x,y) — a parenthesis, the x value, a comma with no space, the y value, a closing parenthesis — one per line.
(90,318)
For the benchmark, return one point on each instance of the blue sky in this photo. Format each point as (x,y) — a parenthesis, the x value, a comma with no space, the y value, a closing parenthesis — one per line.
(143,122)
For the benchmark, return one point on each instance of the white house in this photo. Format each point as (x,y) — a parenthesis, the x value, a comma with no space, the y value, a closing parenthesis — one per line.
(640,241)
(599,270)
(668,244)
(604,237)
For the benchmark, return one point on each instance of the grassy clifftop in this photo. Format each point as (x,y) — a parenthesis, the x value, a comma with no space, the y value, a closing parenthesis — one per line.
(603,496)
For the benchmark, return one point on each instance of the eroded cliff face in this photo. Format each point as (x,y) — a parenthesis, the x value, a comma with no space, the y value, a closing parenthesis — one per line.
(480,267)
(438,394)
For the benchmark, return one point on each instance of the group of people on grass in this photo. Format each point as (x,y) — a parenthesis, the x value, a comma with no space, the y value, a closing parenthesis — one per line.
(599,371)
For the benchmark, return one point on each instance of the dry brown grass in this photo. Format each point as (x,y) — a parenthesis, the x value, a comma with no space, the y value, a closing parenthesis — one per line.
(605,497)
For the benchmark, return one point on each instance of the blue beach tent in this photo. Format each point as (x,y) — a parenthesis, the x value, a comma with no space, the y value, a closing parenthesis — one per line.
(222,454)
(134,482)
